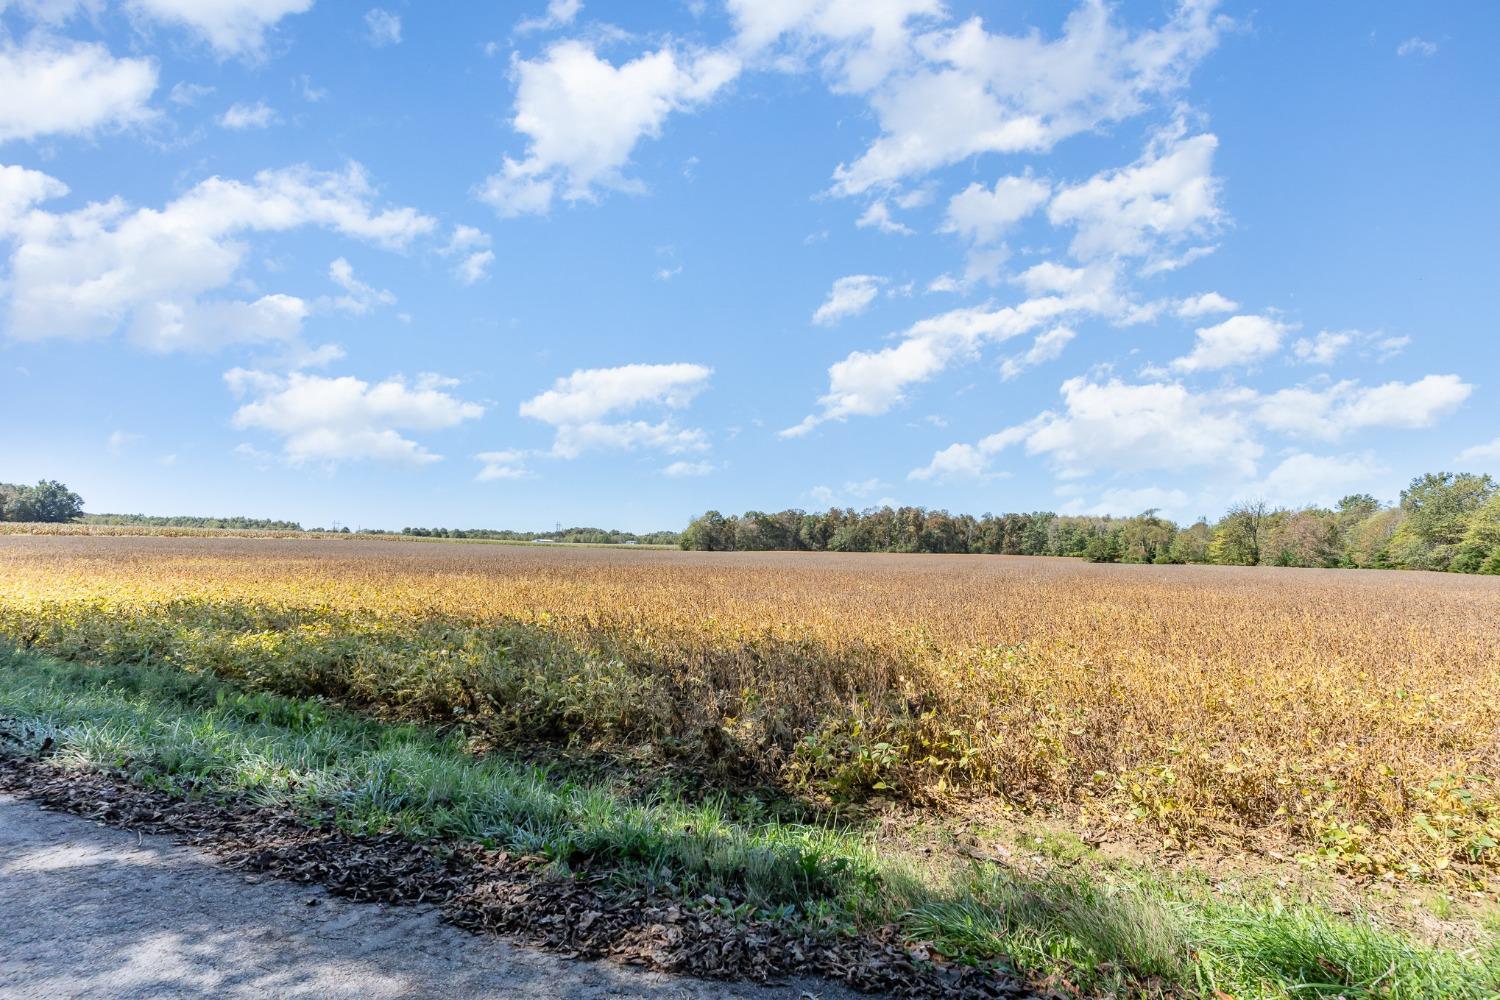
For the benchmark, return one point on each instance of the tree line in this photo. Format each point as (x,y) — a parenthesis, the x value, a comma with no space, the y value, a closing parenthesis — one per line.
(185,521)
(590,536)
(1443,521)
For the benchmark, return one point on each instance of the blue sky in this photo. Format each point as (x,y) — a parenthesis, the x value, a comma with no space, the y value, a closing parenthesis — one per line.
(618,263)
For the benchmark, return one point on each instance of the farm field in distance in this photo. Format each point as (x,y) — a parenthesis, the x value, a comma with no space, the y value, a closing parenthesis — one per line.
(1221,748)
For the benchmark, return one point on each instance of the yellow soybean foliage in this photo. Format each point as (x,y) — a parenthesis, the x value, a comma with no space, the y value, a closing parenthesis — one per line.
(1355,714)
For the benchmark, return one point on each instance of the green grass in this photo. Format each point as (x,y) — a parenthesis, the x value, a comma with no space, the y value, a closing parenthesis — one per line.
(1115,931)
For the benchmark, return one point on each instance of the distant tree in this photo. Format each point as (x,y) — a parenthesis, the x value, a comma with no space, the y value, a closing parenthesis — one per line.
(1103,547)
(48,500)
(1190,545)
(1355,508)
(1238,536)
(711,532)
(1146,538)
(1308,537)
(1479,552)
(1438,504)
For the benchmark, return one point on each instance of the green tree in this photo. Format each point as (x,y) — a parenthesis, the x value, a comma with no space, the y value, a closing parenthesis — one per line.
(1479,552)
(1239,535)
(1438,506)
(48,500)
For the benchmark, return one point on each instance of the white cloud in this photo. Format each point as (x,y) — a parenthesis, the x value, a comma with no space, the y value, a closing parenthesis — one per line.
(577,407)
(849,296)
(22,188)
(472,247)
(871,383)
(984,215)
(1344,407)
(1151,426)
(1322,349)
(57,87)
(1205,305)
(1122,428)
(877,215)
(560,14)
(1239,340)
(240,117)
(1046,347)
(680,470)
(330,420)
(475,267)
(153,272)
(1167,196)
(957,461)
(499,465)
(1114,425)
(185,95)
(1326,347)
(1302,479)
(232,27)
(1481,452)
(358,298)
(382,28)
(583,117)
(1415,46)
(945,94)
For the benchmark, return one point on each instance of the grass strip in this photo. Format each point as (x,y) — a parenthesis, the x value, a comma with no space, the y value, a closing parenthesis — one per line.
(1131,933)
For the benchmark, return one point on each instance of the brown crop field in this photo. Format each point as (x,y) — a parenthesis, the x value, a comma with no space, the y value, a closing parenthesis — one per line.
(1350,716)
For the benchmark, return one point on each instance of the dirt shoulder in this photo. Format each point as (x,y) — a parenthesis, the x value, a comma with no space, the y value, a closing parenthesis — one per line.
(96,902)
(95,911)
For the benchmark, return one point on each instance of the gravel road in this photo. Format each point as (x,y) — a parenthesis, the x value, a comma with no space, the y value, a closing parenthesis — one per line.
(89,911)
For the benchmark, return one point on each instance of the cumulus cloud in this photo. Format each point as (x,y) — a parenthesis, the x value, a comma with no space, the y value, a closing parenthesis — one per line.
(1328,345)
(1119,428)
(877,215)
(1322,349)
(849,296)
(583,117)
(1302,479)
(869,383)
(240,117)
(1489,452)
(1239,340)
(1333,411)
(330,420)
(1206,304)
(944,93)
(1157,425)
(579,406)
(58,87)
(985,215)
(232,27)
(1046,347)
(164,275)
(358,298)
(1167,196)
(472,248)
